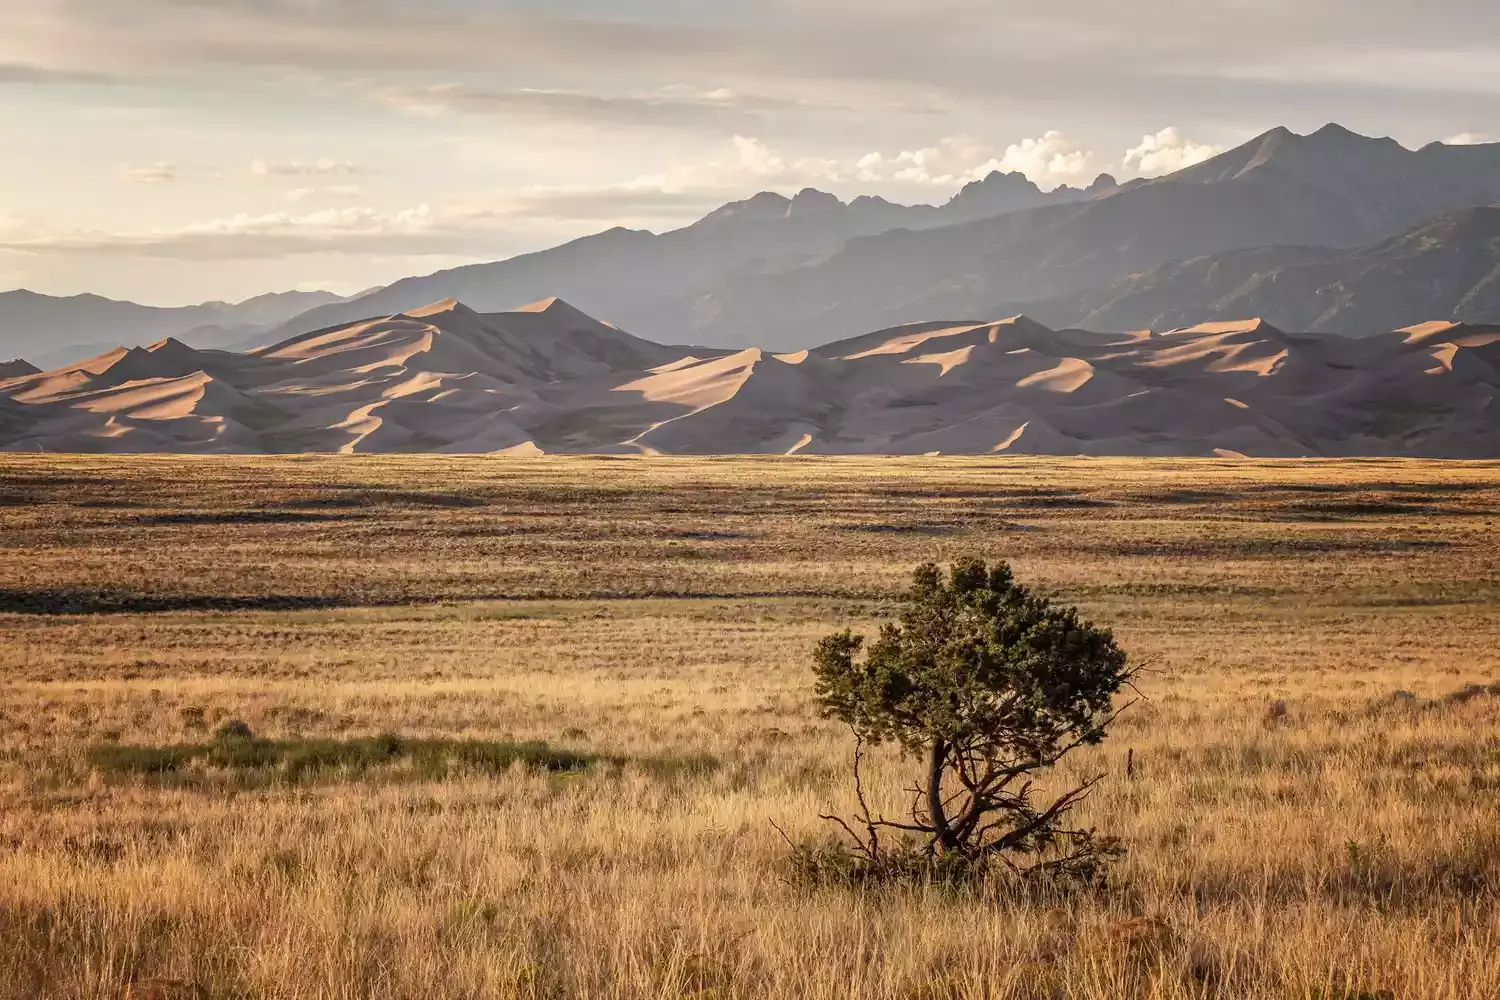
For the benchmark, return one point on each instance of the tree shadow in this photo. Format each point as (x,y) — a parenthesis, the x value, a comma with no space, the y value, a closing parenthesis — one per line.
(106,601)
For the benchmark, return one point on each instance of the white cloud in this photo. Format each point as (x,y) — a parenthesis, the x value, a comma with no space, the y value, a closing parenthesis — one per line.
(152,173)
(1050,160)
(1466,139)
(950,162)
(318,168)
(1166,152)
(417,231)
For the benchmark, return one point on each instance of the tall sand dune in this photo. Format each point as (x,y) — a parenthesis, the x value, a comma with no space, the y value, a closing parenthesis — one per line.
(549,379)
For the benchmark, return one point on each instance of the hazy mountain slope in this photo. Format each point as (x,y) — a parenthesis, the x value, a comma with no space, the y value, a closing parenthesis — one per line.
(549,378)
(778,273)
(1371,182)
(1449,266)
(649,281)
(42,325)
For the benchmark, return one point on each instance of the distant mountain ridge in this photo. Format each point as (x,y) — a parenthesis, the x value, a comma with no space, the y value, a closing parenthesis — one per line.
(46,326)
(777,272)
(550,379)
(656,281)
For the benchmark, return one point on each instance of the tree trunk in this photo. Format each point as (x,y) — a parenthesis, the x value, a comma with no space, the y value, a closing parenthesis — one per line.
(936,765)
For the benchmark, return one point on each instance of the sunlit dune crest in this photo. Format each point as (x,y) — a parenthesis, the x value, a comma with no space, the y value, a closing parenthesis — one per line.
(802,442)
(1012,439)
(945,362)
(1070,375)
(1252,346)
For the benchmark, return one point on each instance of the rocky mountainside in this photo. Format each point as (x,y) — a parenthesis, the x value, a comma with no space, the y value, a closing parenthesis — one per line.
(1449,266)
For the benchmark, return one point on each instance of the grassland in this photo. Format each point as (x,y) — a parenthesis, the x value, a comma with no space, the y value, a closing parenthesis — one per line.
(1315,810)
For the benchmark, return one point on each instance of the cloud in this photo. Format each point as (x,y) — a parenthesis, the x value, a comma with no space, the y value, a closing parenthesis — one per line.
(26,73)
(674,105)
(318,168)
(325,191)
(1050,160)
(1166,152)
(1466,139)
(412,232)
(476,225)
(682,193)
(1433,65)
(328,34)
(949,162)
(154,173)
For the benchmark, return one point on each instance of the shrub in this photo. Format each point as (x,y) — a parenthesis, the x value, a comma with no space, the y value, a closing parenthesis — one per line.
(987,684)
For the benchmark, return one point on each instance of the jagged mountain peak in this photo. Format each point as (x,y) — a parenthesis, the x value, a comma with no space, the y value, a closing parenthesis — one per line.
(811,201)
(17,368)
(765,206)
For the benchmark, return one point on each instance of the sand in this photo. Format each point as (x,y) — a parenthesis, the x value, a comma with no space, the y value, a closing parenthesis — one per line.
(548,379)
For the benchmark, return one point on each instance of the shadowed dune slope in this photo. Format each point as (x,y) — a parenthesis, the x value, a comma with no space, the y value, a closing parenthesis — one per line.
(549,379)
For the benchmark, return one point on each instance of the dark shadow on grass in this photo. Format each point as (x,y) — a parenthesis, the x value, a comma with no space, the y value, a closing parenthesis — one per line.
(63,601)
(249,762)
(897,528)
(239,517)
(107,601)
(359,497)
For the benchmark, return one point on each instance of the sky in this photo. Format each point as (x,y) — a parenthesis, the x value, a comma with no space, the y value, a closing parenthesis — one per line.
(176,151)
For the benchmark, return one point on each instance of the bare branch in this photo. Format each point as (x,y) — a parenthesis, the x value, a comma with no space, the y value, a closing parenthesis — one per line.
(1021,833)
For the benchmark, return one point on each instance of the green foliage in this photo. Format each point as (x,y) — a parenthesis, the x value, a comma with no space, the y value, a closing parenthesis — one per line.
(980,658)
(991,683)
(239,757)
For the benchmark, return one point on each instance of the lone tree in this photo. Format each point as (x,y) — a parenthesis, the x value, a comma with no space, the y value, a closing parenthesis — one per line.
(988,684)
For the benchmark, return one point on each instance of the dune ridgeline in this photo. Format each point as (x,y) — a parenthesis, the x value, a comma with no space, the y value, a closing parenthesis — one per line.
(549,379)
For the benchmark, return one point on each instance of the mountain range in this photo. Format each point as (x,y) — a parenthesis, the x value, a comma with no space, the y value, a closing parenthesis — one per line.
(780,273)
(1328,232)
(550,379)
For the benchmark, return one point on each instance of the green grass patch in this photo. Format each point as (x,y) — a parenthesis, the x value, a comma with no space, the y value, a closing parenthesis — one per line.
(252,762)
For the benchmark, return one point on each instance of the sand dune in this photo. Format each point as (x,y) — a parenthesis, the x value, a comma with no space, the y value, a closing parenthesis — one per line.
(548,379)
(1069,375)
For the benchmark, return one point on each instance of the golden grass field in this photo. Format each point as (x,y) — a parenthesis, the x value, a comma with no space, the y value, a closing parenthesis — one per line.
(1313,814)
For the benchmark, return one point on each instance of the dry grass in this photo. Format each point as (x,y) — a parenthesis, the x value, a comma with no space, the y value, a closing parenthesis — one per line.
(1298,826)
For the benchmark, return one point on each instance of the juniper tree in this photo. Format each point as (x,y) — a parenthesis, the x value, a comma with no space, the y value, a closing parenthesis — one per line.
(987,684)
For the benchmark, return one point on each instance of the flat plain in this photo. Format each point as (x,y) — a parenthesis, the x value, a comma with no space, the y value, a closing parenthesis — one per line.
(1314,808)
